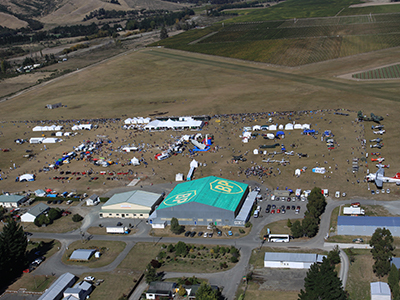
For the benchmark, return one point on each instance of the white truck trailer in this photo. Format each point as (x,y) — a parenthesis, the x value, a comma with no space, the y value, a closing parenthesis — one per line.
(353,211)
(117,229)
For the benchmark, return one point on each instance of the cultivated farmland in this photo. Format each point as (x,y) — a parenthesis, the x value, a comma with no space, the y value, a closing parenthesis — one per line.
(294,42)
(389,72)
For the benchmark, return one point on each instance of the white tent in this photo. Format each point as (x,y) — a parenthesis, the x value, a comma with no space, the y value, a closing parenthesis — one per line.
(68,134)
(272,127)
(36,140)
(59,133)
(179,177)
(256,127)
(297,172)
(306,126)
(246,134)
(82,126)
(289,126)
(298,126)
(194,164)
(270,136)
(51,140)
(128,121)
(27,177)
(245,140)
(255,151)
(135,161)
(280,127)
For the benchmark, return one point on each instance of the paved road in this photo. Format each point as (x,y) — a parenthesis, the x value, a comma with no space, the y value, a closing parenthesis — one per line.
(229,279)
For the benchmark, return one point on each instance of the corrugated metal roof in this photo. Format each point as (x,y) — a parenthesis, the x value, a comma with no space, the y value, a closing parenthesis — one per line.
(380,288)
(246,207)
(396,262)
(11,198)
(58,286)
(213,191)
(293,257)
(368,221)
(82,254)
(38,209)
(134,197)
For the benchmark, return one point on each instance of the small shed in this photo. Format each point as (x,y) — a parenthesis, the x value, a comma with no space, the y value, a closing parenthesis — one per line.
(82,254)
(40,193)
(179,177)
(380,291)
(159,289)
(272,127)
(93,200)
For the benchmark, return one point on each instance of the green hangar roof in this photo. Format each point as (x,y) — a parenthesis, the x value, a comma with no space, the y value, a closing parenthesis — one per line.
(212,191)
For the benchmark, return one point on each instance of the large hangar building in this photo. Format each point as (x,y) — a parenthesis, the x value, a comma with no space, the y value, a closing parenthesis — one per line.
(204,201)
(366,226)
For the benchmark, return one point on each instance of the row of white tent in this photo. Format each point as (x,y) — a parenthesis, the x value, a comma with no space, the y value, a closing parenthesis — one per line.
(170,124)
(43,140)
(48,128)
(139,120)
(82,126)
(60,133)
(288,126)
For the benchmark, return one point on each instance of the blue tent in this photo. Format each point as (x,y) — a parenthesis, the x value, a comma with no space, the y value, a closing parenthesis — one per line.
(280,133)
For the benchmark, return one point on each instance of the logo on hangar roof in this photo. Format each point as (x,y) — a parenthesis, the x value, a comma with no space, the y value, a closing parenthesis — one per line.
(180,198)
(225,187)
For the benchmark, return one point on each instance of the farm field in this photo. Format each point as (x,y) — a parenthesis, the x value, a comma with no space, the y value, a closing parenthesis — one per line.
(294,42)
(389,72)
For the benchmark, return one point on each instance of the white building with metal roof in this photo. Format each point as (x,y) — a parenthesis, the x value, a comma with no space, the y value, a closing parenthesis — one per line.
(133,204)
(380,291)
(34,212)
(11,200)
(82,254)
(291,260)
(55,291)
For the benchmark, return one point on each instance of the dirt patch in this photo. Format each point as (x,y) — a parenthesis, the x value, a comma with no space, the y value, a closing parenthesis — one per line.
(10,21)
(280,279)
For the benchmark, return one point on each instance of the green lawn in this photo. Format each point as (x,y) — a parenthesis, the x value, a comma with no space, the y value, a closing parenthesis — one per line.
(109,251)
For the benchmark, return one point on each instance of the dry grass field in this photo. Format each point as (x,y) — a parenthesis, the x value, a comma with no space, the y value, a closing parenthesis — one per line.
(157,80)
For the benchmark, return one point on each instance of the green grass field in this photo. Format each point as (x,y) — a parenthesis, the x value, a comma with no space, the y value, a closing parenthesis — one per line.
(389,72)
(293,42)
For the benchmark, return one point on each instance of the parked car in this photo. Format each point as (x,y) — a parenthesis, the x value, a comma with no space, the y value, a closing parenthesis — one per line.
(69,202)
(269,206)
(273,206)
(358,240)
(193,233)
(267,210)
(283,211)
(388,191)
(230,233)
(293,207)
(288,207)
(205,234)
(273,211)
(278,211)
(187,233)
(200,233)
(119,224)
(219,232)
(210,234)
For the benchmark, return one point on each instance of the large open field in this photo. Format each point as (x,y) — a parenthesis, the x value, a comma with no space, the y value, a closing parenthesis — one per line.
(155,80)
(294,42)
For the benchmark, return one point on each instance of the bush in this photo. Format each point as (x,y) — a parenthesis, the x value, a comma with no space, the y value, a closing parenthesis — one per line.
(77,218)
(54,214)
(241,230)
(175,227)
(234,259)
(248,224)
(42,219)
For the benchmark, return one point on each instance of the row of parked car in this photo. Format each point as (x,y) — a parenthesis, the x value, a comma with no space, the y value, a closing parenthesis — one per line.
(282,209)
(288,199)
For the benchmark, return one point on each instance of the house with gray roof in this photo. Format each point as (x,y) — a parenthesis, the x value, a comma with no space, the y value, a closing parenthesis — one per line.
(34,212)
(380,291)
(133,204)
(291,260)
(55,291)
(80,291)
(160,289)
(9,201)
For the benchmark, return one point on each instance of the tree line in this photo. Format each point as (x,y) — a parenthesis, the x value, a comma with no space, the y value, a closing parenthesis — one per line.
(310,224)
